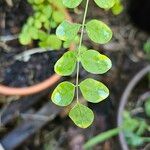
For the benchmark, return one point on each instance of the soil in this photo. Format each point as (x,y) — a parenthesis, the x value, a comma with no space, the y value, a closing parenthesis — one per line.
(125,51)
(21,74)
(18,73)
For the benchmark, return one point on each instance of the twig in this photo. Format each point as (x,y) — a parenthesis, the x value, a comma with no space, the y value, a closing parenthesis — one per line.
(5,46)
(9,3)
(2,21)
(34,116)
(29,127)
(2,111)
(6,38)
(26,55)
(147,147)
(21,106)
(142,98)
(137,110)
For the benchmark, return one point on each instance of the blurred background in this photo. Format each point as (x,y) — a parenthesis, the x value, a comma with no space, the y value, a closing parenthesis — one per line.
(30,121)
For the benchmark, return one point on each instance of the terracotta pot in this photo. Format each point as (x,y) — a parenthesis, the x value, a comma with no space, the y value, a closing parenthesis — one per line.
(5,90)
(124,100)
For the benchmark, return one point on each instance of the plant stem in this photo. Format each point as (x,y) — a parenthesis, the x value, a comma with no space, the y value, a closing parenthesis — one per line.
(101,137)
(80,44)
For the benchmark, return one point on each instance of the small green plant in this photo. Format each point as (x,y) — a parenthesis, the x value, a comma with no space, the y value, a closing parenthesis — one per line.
(132,127)
(46,17)
(91,60)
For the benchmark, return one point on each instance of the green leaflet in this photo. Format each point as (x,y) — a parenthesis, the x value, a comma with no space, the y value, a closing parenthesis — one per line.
(94,62)
(33,32)
(98,31)
(71,3)
(47,14)
(47,11)
(58,16)
(93,91)
(65,66)
(63,94)
(51,41)
(147,107)
(67,31)
(117,8)
(81,115)
(106,4)
(24,39)
(101,138)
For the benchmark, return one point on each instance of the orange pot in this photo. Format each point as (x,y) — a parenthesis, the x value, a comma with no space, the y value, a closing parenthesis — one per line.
(9,91)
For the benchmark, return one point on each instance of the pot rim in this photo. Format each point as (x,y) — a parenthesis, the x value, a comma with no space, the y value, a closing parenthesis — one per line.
(124,100)
(33,89)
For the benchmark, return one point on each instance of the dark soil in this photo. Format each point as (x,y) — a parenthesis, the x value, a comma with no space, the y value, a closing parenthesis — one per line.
(20,74)
(139,12)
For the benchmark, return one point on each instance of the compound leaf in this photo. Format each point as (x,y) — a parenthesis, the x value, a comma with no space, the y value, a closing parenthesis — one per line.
(81,115)
(98,31)
(63,94)
(94,62)
(93,91)
(66,64)
(67,31)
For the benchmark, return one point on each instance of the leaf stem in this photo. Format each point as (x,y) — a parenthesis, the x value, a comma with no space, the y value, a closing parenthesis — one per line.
(80,44)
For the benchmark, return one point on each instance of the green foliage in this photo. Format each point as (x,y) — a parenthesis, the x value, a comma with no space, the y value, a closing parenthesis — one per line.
(46,16)
(98,31)
(147,47)
(147,107)
(132,127)
(91,60)
(94,62)
(67,31)
(51,42)
(101,138)
(93,91)
(63,94)
(106,4)
(117,8)
(81,115)
(65,66)
(71,3)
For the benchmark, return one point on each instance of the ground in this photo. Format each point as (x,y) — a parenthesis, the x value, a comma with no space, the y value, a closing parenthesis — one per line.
(58,132)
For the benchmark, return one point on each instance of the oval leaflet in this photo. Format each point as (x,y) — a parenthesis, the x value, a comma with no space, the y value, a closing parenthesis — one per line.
(98,31)
(63,94)
(65,66)
(94,62)
(81,115)
(93,91)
